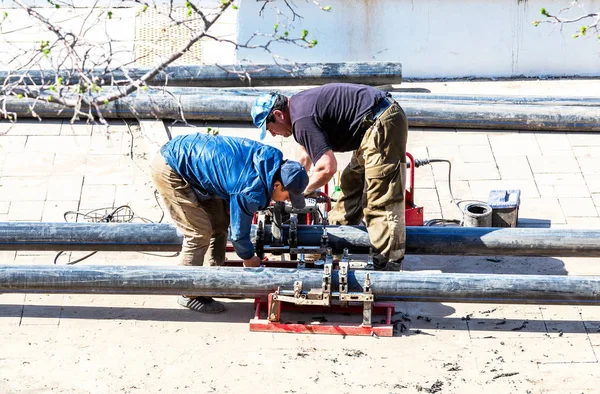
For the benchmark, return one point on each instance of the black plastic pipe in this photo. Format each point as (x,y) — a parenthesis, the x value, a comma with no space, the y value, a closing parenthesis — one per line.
(474,241)
(498,99)
(235,106)
(405,94)
(368,73)
(254,282)
(533,117)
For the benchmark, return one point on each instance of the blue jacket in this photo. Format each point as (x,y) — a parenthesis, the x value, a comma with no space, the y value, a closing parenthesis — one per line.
(236,170)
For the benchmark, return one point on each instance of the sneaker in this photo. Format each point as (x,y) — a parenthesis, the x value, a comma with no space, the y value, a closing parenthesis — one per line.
(201,304)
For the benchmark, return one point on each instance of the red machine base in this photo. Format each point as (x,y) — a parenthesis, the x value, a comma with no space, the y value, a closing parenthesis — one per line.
(379,308)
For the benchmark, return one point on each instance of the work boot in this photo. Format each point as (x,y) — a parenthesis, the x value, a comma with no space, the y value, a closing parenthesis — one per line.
(201,304)
(393,265)
(381,263)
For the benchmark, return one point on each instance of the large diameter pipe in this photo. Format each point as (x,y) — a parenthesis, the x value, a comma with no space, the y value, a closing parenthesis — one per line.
(402,95)
(407,94)
(467,241)
(503,116)
(420,113)
(254,282)
(110,237)
(368,73)
(475,241)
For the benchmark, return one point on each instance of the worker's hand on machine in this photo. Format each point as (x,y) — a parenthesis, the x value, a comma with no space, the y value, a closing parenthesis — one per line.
(314,194)
(253,262)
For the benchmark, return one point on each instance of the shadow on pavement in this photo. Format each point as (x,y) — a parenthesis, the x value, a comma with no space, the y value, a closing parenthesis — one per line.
(517,265)
(487,327)
(534,223)
(241,312)
(236,312)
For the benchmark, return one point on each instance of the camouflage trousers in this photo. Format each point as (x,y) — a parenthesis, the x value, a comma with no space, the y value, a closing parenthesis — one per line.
(373,186)
(204,223)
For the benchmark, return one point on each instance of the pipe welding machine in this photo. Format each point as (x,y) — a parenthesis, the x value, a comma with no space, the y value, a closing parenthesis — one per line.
(315,212)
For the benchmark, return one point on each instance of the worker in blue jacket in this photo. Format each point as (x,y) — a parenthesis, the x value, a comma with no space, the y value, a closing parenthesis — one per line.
(210,183)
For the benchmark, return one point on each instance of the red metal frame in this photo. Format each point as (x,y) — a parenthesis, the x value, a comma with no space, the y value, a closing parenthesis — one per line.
(379,308)
(413,213)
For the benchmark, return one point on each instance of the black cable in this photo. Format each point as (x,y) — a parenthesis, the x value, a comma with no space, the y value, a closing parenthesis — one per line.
(449,173)
(120,214)
(162,211)
(75,261)
(443,222)
(422,162)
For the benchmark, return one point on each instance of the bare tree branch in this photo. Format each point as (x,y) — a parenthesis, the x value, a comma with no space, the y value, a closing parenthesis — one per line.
(592,19)
(88,73)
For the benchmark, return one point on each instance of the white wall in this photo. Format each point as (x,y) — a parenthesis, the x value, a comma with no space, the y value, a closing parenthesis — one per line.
(435,38)
(431,38)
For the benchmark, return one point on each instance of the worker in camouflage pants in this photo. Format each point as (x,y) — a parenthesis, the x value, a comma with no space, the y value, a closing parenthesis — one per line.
(348,117)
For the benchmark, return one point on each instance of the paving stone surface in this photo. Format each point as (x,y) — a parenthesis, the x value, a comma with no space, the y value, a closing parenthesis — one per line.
(90,343)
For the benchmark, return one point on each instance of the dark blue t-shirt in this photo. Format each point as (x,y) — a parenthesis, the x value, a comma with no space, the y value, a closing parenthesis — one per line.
(329,117)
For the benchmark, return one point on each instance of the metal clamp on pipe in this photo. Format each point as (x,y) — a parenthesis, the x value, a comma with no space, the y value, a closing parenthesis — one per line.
(324,295)
(279,213)
(320,296)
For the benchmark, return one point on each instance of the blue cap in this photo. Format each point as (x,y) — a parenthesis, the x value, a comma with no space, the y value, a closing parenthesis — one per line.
(295,180)
(260,111)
